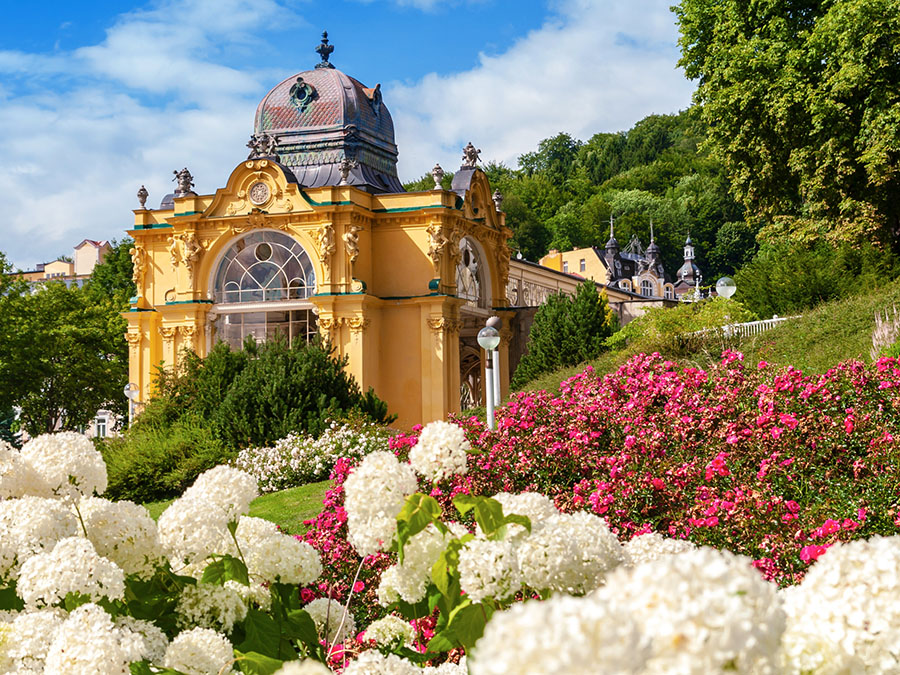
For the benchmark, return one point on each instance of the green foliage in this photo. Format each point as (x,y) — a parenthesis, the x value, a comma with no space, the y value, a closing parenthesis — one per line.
(62,356)
(153,461)
(566,331)
(112,278)
(203,414)
(788,278)
(663,329)
(426,183)
(802,99)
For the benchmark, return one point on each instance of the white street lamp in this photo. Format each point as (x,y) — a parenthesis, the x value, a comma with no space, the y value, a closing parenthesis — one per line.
(726,287)
(131,393)
(488,339)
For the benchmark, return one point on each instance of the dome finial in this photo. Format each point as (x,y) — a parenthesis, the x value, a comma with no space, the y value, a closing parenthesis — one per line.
(324,50)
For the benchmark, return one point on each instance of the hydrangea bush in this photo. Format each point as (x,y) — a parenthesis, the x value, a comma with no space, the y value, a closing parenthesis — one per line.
(298,458)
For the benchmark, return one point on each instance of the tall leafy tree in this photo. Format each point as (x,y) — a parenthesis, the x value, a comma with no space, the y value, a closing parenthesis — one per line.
(802,98)
(62,361)
(566,331)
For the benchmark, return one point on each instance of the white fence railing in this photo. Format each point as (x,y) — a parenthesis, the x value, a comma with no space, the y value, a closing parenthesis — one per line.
(747,329)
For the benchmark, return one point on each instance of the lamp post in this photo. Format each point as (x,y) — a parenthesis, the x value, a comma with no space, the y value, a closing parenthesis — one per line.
(495,322)
(726,287)
(488,339)
(131,393)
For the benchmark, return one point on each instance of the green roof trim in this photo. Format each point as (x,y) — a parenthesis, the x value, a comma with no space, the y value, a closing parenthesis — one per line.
(407,209)
(189,302)
(187,213)
(313,202)
(152,226)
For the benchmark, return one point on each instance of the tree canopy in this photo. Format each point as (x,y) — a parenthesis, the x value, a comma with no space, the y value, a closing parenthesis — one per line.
(802,102)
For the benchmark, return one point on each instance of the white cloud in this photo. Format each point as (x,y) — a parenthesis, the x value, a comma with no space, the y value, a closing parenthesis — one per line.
(81,131)
(599,65)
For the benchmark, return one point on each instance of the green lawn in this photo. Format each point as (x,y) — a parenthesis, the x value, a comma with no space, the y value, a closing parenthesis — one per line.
(287,509)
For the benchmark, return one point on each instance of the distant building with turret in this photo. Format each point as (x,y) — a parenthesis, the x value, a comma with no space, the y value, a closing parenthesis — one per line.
(632,268)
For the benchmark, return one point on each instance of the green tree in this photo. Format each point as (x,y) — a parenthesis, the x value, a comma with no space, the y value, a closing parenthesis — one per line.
(566,331)
(112,278)
(802,98)
(62,358)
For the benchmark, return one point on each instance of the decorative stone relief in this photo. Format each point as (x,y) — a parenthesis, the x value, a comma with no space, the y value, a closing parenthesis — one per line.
(191,252)
(168,335)
(326,245)
(443,324)
(437,173)
(470,156)
(259,193)
(187,336)
(134,344)
(437,242)
(174,251)
(351,244)
(138,267)
(328,324)
(185,181)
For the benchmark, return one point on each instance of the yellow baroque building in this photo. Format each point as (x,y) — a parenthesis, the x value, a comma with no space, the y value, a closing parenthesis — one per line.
(314,233)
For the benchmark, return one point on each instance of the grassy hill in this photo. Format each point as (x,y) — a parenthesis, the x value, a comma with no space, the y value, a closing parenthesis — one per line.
(820,339)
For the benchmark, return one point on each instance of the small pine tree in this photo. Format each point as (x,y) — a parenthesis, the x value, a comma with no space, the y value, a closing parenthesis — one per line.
(566,331)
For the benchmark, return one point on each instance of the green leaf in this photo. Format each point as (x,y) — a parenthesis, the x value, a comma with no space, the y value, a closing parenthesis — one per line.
(467,623)
(464,503)
(261,634)
(226,568)
(254,663)
(443,642)
(300,626)
(9,599)
(75,600)
(524,521)
(418,512)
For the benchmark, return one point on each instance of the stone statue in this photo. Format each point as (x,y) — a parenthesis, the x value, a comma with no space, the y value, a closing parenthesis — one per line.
(174,250)
(142,195)
(470,156)
(262,145)
(185,182)
(438,174)
(498,199)
(345,167)
(138,266)
(191,252)
(351,242)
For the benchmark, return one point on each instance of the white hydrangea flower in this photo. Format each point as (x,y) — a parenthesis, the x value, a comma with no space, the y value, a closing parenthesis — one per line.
(559,635)
(488,569)
(224,489)
(306,667)
(374,493)
(448,668)
(195,525)
(705,611)
(533,505)
(440,452)
(273,556)
(68,463)
(210,606)
(24,645)
(373,662)
(200,651)
(72,567)
(191,531)
(391,632)
(846,611)
(653,546)
(253,595)
(88,643)
(31,525)
(330,616)
(410,580)
(123,532)
(153,641)
(571,553)
(17,477)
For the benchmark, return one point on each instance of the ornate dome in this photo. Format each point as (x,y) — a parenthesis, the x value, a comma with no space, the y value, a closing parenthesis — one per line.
(319,118)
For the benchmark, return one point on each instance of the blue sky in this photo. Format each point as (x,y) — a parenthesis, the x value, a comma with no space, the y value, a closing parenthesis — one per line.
(98,98)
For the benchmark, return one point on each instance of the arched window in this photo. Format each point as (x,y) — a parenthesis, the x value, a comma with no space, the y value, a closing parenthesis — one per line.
(670,292)
(646,288)
(261,288)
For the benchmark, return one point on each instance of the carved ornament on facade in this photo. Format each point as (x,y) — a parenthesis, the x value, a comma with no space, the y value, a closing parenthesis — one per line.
(142,195)
(191,250)
(184,181)
(187,336)
(437,173)
(443,324)
(470,156)
(134,343)
(168,333)
(506,336)
(326,245)
(358,324)
(437,243)
(138,267)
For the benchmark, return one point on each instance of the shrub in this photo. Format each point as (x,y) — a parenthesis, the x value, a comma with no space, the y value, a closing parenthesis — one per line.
(155,462)
(298,459)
